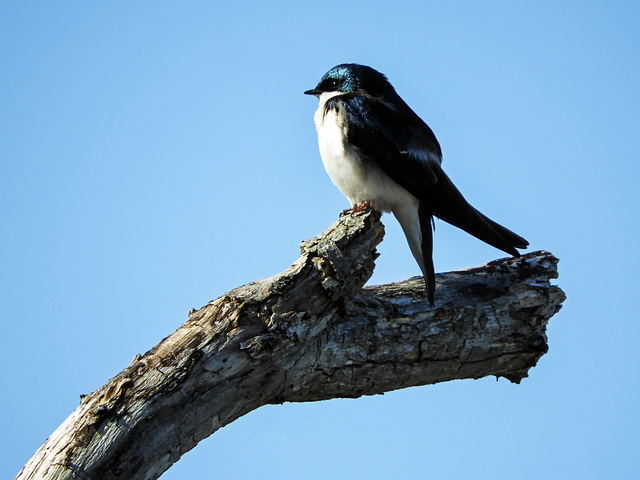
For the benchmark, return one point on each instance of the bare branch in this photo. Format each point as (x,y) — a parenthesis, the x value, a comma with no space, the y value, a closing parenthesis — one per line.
(309,333)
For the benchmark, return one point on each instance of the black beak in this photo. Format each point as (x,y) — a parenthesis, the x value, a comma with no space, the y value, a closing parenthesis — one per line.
(312,92)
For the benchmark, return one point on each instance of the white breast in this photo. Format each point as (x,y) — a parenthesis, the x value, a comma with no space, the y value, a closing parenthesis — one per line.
(356,178)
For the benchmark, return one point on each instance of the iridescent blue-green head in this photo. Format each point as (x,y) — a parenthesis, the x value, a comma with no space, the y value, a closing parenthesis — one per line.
(353,78)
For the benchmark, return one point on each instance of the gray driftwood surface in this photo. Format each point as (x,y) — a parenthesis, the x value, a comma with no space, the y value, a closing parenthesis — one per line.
(309,333)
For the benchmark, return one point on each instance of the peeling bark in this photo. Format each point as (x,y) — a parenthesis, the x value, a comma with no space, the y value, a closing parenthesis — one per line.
(309,333)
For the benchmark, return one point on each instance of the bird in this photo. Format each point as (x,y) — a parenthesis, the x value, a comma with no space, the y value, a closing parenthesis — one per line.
(380,154)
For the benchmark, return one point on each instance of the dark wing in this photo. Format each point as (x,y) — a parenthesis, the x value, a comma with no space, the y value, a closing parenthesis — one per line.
(394,149)
(447,203)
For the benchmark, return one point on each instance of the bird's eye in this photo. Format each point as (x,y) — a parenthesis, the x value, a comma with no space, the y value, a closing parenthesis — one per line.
(332,84)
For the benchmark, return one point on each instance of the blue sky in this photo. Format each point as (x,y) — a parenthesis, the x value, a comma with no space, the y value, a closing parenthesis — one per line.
(148,147)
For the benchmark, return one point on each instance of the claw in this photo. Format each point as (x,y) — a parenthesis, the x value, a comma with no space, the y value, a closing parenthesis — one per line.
(358,207)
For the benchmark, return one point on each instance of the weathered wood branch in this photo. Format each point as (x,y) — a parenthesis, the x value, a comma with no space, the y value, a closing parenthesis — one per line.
(309,333)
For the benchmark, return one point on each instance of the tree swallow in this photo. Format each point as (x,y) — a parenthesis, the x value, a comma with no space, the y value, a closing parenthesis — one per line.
(381,155)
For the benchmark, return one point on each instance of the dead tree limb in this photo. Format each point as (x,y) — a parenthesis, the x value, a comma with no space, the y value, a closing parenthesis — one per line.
(309,333)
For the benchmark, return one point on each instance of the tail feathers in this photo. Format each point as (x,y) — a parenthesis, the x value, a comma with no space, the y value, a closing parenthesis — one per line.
(444,201)
(427,267)
(485,229)
(415,219)
(447,203)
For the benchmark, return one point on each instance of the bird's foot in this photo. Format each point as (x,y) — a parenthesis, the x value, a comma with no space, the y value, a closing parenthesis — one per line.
(358,207)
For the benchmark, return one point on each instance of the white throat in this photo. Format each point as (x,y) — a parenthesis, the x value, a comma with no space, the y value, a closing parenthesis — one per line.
(357,178)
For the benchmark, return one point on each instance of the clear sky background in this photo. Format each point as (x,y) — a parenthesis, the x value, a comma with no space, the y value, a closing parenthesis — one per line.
(158,154)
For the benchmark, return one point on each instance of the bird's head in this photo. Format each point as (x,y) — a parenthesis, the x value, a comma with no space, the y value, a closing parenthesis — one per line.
(353,78)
